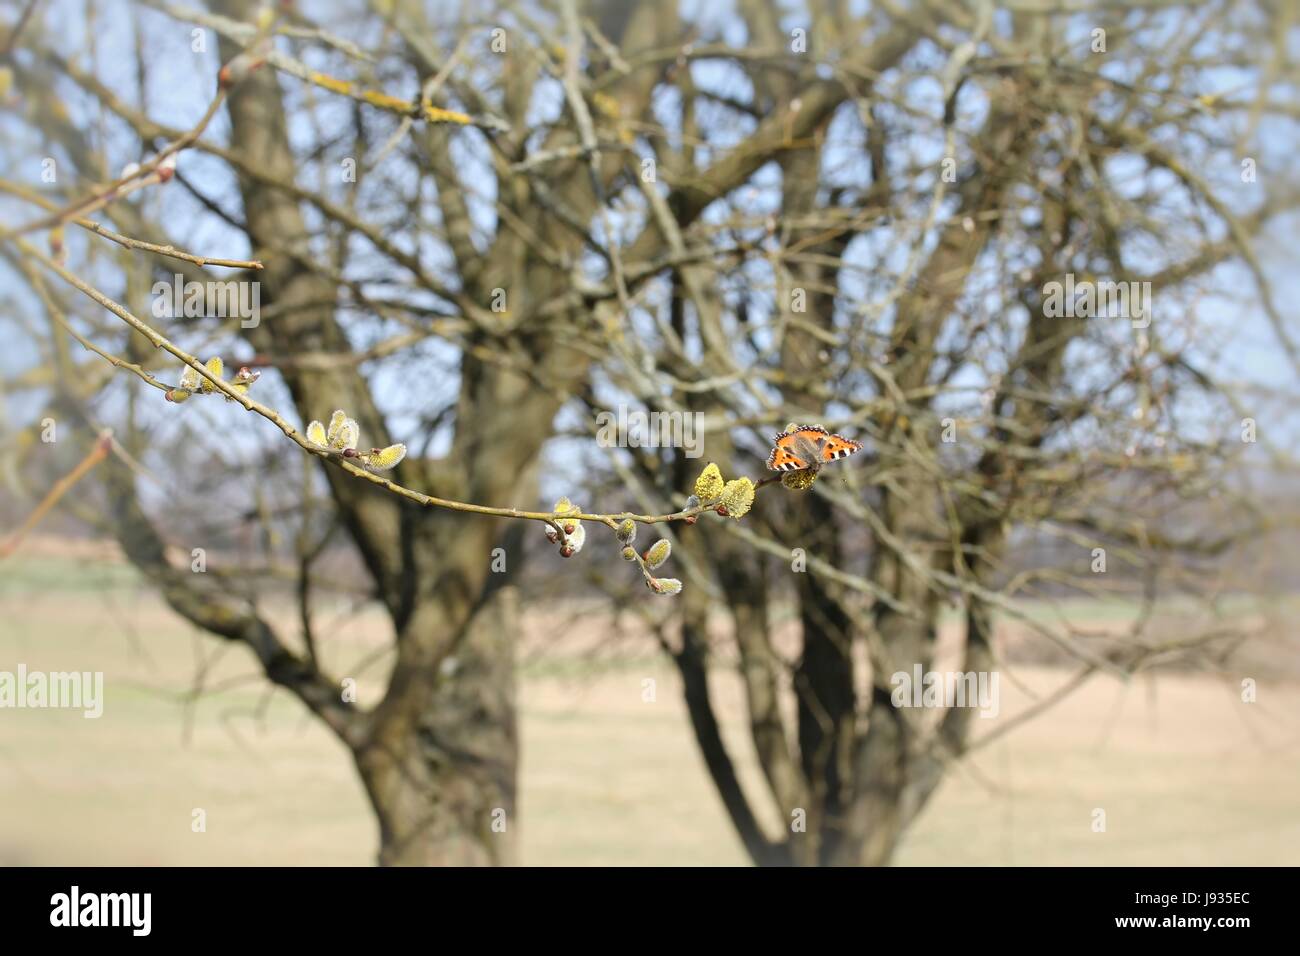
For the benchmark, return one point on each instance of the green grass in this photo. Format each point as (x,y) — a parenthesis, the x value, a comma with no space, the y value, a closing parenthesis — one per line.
(20,575)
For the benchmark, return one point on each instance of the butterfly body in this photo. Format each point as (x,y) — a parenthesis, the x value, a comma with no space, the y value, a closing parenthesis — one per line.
(808,447)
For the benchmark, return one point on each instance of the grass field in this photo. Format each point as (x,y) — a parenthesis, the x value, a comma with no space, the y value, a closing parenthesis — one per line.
(1185,772)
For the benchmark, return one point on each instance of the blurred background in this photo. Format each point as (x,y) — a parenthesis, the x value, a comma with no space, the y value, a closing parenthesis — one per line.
(482,232)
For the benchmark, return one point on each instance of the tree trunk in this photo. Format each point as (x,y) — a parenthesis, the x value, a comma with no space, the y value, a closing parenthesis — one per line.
(872,824)
(443,778)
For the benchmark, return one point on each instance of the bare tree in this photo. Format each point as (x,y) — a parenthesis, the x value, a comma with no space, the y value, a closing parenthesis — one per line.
(460,228)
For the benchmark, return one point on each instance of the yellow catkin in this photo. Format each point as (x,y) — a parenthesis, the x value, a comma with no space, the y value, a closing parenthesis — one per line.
(386,458)
(710,484)
(216,368)
(658,553)
(799,480)
(737,496)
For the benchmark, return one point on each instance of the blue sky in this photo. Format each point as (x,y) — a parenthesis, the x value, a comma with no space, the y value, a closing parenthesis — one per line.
(1236,344)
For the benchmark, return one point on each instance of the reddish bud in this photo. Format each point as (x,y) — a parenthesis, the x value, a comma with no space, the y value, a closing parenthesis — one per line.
(691,519)
(167,168)
(722,510)
(568,527)
(566,552)
(238,69)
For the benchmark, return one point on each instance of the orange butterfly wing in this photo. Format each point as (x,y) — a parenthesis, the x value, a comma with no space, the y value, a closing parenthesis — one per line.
(833,447)
(837,447)
(783,457)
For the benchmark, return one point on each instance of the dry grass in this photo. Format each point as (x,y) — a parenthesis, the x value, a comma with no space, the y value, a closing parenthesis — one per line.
(1185,772)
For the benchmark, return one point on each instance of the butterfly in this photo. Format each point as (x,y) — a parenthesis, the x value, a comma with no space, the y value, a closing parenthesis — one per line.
(802,447)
